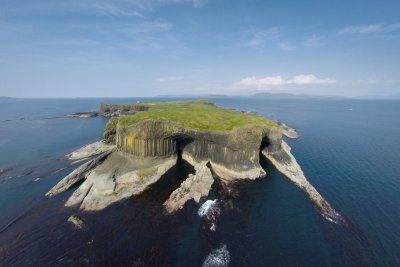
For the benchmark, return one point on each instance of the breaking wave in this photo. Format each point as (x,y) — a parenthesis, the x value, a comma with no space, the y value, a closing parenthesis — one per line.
(210,211)
(218,257)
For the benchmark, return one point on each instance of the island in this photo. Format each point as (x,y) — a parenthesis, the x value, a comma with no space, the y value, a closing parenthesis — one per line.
(142,141)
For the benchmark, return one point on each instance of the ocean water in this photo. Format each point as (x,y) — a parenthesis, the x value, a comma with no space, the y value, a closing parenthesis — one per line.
(348,149)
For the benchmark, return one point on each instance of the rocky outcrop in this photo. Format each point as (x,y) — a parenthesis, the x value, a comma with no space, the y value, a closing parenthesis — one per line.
(78,222)
(285,162)
(111,130)
(117,178)
(5,170)
(90,150)
(84,114)
(290,132)
(77,175)
(195,187)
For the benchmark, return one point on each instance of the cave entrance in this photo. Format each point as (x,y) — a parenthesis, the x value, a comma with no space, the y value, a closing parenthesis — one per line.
(264,143)
(181,143)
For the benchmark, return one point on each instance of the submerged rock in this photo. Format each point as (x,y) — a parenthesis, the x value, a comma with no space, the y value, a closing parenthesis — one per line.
(5,170)
(78,222)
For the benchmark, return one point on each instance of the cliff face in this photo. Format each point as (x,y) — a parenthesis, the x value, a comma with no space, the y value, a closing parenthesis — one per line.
(237,150)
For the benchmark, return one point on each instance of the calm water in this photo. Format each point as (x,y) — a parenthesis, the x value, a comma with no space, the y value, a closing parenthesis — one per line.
(348,149)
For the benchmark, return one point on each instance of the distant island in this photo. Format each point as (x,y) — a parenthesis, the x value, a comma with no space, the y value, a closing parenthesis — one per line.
(142,141)
(262,95)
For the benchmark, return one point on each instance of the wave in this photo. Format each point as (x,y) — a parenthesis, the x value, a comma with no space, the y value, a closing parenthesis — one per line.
(210,211)
(218,257)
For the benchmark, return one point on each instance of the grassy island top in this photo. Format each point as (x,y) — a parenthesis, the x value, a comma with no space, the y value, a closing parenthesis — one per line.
(199,115)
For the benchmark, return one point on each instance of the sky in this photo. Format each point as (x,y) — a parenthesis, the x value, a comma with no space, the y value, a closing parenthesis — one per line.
(132,48)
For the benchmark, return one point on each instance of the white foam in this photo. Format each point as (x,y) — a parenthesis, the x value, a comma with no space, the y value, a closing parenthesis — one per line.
(207,207)
(218,257)
(210,210)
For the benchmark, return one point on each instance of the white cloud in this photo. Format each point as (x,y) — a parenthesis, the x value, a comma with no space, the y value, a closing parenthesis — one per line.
(301,79)
(286,46)
(369,29)
(314,41)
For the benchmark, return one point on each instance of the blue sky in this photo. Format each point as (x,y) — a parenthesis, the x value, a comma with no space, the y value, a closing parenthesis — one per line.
(97,48)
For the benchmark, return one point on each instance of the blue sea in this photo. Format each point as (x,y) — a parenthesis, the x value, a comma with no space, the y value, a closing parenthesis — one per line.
(348,149)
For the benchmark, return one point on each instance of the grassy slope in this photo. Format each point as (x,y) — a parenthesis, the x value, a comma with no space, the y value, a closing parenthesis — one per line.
(200,115)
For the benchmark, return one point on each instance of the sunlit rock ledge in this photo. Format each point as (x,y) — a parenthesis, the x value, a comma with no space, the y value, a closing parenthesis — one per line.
(144,140)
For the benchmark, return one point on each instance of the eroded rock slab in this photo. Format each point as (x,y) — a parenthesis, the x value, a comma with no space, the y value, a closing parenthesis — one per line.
(117,178)
(228,175)
(194,187)
(285,162)
(90,150)
(77,175)
(290,132)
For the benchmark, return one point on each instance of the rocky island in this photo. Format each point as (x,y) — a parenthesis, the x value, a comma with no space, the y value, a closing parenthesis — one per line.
(142,141)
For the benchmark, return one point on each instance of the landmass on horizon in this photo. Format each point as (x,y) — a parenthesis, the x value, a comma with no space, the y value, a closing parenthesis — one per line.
(260,95)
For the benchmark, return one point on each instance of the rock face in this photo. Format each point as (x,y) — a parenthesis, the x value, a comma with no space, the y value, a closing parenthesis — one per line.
(232,155)
(110,130)
(139,149)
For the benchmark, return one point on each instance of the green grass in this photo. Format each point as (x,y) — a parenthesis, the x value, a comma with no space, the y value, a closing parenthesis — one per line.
(199,115)
(111,125)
